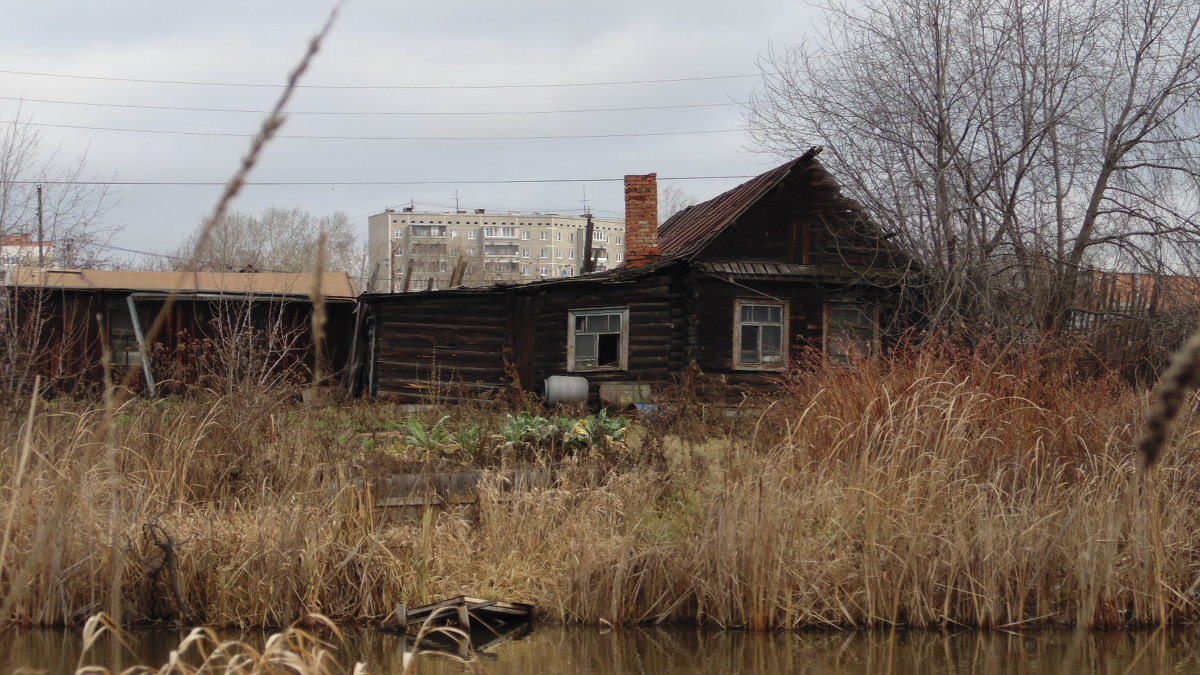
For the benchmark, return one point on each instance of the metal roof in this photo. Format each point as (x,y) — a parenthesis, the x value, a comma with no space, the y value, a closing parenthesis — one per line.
(691,229)
(334,285)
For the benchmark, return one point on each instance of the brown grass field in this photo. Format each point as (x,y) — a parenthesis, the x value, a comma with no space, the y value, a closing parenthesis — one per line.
(928,489)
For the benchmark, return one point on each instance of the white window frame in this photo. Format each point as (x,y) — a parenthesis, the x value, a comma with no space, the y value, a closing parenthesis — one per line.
(573,338)
(738,323)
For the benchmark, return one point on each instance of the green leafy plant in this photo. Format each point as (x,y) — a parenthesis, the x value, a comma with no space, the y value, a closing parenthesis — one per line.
(529,431)
(431,439)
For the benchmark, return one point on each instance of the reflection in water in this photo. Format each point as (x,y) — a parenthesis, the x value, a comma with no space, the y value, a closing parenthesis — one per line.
(555,649)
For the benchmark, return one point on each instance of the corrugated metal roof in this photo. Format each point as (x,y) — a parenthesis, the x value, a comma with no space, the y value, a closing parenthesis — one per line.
(689,230)
(335,285)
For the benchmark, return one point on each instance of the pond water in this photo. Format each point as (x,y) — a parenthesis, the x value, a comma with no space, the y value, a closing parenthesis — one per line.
(675,651)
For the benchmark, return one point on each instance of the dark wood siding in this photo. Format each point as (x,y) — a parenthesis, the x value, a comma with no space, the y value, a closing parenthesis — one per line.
(655,339)
(433,344)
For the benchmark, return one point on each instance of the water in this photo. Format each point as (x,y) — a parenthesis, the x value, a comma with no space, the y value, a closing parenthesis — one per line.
(676,651)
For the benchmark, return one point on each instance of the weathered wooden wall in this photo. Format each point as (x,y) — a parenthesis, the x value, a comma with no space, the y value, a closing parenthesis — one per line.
(61,333)
(431,343)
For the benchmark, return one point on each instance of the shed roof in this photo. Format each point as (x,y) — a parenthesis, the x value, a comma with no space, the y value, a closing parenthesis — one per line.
(334,285)
(691,229)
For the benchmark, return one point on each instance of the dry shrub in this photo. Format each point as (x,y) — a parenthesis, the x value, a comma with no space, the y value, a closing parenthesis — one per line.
(940,487)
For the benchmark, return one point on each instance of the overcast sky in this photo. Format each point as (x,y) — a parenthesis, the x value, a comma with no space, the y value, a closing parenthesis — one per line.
(385,58)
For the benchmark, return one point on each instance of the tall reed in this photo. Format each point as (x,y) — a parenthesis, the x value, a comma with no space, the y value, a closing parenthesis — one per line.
(929,489)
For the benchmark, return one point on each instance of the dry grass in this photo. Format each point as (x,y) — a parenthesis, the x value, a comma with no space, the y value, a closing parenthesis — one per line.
(928,490)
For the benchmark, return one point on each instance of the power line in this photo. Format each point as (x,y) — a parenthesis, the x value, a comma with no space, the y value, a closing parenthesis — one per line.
(373,138)
(430,113)
(375,86)
(509,181)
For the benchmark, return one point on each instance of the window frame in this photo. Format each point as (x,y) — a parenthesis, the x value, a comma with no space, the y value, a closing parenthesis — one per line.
(622,344)
(872,312)
(784,341)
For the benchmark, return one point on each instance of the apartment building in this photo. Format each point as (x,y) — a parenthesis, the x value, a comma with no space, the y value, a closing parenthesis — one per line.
(412,250)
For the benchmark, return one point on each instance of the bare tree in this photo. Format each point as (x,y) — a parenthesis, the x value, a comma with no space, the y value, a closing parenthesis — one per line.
(72,208)
(673,200)
(279,240)
(1008,145)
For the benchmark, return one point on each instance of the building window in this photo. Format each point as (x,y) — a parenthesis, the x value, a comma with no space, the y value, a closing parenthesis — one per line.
(543,270)
(399,234)
(524,253)
(471,234)
(759,335)
(558,236)
(525,271)
(571,236)
(571,254)
(544,236)
(850,328)
(620,256)
(599,236)
(525,236)
(598,339)
(428,230)
(543,253)
(500,232)
(558,254)
(454,234)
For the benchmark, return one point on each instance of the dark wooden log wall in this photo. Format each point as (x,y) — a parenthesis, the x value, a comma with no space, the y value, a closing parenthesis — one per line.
(656,331)
(806,301)
(71,332)
(429,346)
(804,221)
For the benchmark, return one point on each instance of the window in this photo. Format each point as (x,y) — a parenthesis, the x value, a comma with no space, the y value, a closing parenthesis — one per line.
(571,254)
(525,236)
(558,254)
(454,234)
(399,234)
(524,253)
(471,234)
(428,230)
(759,342)
(597,339)
(850,328)
(544,236)
(500,232)
(543,253)
(599,236)
(558,236)
(525,270)
(543,270)
(620,257)
(571,236)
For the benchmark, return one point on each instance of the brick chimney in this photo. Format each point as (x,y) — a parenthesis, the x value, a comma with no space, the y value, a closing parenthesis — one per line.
(641,220)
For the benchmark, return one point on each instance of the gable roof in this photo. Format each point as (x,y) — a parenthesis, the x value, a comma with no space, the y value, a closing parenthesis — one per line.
(335,285)
(688,231)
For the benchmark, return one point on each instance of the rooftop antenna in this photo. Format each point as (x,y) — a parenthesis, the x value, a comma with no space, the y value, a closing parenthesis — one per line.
(456,209)
(586,209)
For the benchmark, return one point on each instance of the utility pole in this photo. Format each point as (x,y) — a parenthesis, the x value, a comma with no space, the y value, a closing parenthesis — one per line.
(41,253)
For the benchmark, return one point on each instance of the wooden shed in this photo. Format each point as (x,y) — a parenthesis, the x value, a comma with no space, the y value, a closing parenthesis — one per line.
(737,285)
(57,323)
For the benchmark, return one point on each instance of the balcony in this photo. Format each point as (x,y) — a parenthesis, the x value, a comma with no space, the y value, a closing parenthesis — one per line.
(500,233)
(511,250)
(427,231)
